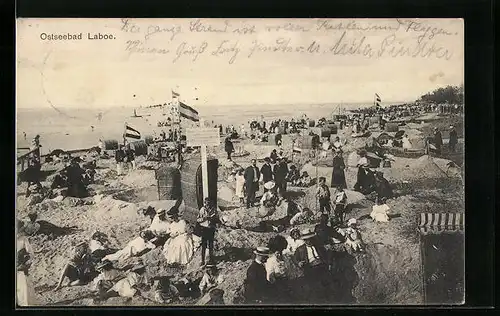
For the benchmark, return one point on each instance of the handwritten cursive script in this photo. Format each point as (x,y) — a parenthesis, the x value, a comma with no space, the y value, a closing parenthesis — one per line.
(229,39)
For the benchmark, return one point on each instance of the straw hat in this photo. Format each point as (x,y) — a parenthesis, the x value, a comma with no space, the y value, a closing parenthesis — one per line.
(307,234)
(451,126)
(262,251)
(269,185)
(103,264)
(352,221)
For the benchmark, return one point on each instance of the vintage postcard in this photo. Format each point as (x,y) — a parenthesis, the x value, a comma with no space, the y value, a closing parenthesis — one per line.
(166,162)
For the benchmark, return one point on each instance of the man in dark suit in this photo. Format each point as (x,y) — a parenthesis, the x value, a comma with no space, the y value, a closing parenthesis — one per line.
(266,171)
(252,176)
(256,286)
(313,258)
(280,173)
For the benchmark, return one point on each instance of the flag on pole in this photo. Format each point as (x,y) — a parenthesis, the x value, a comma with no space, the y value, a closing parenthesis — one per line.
(188,112)
(377,100)
(175,94)
(131,132)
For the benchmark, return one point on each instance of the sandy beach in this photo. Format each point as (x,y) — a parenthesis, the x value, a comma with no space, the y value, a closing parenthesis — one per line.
(392,260)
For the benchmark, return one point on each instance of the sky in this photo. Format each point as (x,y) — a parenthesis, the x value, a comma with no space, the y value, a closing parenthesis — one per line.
(103,73)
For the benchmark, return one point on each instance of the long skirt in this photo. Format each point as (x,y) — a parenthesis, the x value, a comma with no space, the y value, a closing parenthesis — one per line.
(25,291)
(179,249)
(338,179)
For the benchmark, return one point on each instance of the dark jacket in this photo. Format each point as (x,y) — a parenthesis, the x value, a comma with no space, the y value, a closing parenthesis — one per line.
(119,155)
(438,139)
(249,175)
(256,284)
(228,145)
(280,172)
(267,173)
(453,137)
(130,155)
(301,254)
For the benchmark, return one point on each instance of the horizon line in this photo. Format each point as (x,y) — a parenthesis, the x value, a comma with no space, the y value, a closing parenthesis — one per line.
(224,105)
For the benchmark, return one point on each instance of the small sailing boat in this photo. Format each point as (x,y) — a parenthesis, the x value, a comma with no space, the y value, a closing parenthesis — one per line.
(135,114)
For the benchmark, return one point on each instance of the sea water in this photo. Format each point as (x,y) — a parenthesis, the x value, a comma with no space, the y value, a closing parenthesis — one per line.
(70,128)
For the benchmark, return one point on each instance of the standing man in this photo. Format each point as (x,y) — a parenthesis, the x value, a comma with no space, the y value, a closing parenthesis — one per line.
(252,176)
(208,220)
(256,284)
(228,147)
(130,157)
(438,140)
(119,157)
(323,195)
(453,139)
(266,172)
(280,173)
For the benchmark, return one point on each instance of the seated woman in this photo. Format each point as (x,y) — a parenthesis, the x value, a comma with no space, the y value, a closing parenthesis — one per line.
(78,268)
(269,200)
(135,248)
(160,226)
(179,248)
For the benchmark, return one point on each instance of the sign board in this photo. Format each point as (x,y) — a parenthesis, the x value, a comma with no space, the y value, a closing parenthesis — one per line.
(202,136)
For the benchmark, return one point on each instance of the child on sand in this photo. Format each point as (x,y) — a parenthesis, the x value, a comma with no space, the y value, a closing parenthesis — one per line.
(77,269)
(353,237)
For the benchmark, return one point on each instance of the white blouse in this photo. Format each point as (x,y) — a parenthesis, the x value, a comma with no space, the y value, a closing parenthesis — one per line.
(158,226)
(274,268)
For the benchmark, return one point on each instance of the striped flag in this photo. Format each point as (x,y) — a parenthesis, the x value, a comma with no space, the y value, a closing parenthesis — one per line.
(175,94)
(378,98)
(131,132)
(188,112)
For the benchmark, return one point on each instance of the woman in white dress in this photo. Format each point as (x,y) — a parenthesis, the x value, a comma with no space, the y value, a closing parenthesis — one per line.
(179,248)
(240,185)
(160,226)
(25,290)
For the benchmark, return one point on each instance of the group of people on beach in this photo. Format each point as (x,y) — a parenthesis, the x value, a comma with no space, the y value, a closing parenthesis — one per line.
(269,277)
